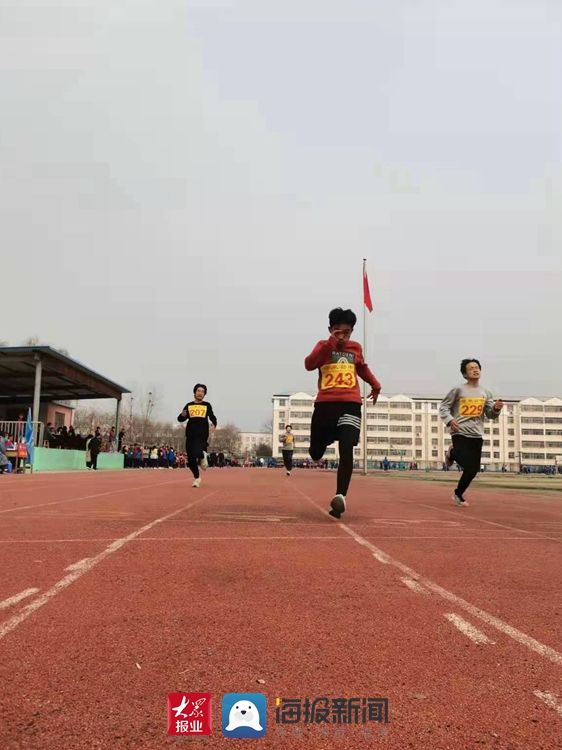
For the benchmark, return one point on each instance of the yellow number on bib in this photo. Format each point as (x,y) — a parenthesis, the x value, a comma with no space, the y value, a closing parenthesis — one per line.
(196,410)
(338,375)
(472,407)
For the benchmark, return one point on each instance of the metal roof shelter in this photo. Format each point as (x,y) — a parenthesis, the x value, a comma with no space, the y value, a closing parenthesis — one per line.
(40,373)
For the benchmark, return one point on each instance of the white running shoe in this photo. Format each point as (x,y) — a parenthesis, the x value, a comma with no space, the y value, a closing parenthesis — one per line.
(459,501)
(196,483)
(204,463)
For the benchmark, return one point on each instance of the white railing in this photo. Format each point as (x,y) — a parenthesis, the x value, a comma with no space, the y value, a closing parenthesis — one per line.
(16,430)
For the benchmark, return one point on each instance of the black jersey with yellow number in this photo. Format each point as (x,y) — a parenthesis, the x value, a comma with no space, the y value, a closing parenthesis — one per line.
(198,415)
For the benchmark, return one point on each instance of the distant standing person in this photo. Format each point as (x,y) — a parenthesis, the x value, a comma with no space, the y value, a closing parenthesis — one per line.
(288,440)
(3,457)
(120,439)
(198,413)
(93,448)
(463,410)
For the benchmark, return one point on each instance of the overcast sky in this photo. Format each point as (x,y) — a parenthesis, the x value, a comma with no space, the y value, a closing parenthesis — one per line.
(188,186)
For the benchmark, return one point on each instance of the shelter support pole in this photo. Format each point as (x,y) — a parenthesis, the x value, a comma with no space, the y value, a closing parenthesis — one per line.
(37,390)
(117,415)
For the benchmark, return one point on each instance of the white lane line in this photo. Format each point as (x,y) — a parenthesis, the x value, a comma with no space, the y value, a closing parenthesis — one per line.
(532,534)
(89,497)
(463,538)
(381,557)
(17,598)
(84,567)
(414,585)
(10,489)
(426,523)
(78,565)
(551,701)
(227,516)
(21,485)
(174,539)
(389,538)
(517,635)
(467,629)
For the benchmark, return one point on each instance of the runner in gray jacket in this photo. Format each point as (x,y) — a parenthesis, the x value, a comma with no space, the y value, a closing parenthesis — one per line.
(463,410)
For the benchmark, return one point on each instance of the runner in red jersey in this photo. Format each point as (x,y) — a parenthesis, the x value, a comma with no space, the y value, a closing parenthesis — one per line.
(337,410)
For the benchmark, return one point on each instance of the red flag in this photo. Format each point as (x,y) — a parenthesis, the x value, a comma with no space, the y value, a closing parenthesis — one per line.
(366,293)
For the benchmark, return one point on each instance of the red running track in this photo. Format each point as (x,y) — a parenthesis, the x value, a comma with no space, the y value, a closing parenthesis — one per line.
(134,585)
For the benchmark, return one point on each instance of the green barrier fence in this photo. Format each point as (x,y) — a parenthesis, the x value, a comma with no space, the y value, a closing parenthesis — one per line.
(52,459)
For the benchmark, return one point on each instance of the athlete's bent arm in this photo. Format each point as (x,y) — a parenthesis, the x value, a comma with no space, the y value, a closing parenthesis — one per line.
(446,406)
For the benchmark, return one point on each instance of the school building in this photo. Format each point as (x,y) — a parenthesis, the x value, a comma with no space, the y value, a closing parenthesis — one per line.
(408,429)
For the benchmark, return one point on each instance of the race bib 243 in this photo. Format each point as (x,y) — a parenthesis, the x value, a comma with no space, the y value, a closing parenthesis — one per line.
(338,375)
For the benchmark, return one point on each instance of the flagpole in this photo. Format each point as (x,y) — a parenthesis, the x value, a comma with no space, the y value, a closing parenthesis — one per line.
(364,415)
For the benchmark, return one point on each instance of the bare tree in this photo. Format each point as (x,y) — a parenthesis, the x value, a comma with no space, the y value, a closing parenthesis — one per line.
(263,449)
(86,420)
(267,426)
(36,341)
(155,433)
(148,403)
(150,400)
(128,416)
(226,439)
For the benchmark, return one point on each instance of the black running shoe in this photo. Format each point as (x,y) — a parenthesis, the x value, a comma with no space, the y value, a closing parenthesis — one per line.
(338,506)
